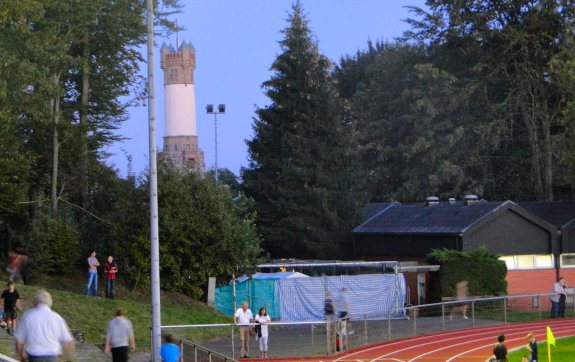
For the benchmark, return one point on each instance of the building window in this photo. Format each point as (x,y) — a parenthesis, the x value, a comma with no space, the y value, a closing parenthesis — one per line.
(539,261)
(543,261)
(509,261)
(525,262)
(174,75)
(567,260)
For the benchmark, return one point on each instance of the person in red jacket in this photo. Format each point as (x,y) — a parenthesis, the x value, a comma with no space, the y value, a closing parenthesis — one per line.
(110,270)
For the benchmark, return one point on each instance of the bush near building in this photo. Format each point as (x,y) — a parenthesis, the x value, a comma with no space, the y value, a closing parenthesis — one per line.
(483,271)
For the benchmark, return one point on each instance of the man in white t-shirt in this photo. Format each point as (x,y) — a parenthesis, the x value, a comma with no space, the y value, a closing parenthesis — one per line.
(42,333)
(244,316)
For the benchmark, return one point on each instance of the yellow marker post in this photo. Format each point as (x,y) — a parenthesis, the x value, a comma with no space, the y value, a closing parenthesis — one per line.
(550,341)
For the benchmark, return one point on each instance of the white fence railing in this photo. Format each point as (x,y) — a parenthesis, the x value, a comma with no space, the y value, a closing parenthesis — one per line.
(321,338)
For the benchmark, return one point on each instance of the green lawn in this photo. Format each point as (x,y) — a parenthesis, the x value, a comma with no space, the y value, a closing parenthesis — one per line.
(564,351)
(90,315)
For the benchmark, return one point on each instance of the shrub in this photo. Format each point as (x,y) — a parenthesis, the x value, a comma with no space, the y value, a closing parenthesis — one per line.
(483,271)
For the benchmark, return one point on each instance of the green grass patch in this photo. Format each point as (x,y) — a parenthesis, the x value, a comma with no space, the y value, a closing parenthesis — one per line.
(91,315)
(515,316)
(563,351)
(5,349)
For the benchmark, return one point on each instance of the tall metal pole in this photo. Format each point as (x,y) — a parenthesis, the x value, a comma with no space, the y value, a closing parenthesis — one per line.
(221,110)
(154,235)
(216,138)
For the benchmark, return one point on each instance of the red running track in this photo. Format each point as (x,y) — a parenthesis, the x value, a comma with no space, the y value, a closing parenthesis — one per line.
(467,345)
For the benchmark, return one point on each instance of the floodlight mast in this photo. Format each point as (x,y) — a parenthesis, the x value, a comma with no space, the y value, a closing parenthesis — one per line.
(221,110)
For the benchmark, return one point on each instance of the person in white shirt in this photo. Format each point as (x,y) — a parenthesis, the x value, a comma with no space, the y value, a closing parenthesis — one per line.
(244,317)
(42,333)
(263,318)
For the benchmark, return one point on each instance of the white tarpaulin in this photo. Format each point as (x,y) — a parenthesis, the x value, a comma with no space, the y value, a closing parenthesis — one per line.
(371,295)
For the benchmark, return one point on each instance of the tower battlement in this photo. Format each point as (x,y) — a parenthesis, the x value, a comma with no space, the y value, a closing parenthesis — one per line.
(178,65)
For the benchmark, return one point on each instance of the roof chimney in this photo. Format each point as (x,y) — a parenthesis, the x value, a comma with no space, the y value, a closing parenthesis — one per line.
(431,200)
(470,199)
(452,201)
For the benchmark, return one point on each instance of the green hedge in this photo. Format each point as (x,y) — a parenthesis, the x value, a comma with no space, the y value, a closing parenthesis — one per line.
(484,272)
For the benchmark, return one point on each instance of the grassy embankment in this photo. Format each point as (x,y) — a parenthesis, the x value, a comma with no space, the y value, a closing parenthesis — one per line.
(90,315)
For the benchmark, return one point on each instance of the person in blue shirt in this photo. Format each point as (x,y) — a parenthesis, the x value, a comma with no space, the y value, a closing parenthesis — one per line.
(170,351)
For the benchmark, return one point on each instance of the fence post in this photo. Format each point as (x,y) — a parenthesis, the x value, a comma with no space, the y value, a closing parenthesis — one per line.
(328,328)
(505,309)
(233,343)
(442,317)
(365,329)
(344,332)
(389,325)
(473,313)
(312,337)
(414,320)
(539,306)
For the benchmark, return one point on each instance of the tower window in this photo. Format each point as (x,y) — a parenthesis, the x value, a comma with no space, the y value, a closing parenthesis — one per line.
(173,76)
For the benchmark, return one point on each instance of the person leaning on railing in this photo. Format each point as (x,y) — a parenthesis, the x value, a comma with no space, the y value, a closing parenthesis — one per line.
(558,298)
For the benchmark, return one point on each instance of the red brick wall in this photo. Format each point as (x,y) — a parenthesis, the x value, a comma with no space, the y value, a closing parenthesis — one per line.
(530,281)
(569,275)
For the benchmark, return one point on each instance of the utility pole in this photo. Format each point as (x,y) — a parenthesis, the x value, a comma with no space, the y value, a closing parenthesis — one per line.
(154,235)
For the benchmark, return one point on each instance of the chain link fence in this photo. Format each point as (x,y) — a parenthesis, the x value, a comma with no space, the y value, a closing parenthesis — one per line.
(331,337)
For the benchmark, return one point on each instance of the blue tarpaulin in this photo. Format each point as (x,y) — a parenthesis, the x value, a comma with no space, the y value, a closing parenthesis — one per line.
(300,299)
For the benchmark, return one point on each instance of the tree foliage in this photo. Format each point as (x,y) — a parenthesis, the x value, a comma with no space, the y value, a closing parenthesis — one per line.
(204,232)
(483,271)
(69,71)
(69,67)
(475,98)
(302,162)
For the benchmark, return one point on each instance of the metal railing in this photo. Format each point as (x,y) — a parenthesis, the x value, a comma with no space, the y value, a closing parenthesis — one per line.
(192,352)
(321,338)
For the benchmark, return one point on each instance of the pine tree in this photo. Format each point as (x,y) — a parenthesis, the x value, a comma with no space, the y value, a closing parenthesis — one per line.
(301,172)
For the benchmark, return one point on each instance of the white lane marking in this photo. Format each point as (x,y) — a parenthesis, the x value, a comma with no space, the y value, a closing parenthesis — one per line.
(509,328)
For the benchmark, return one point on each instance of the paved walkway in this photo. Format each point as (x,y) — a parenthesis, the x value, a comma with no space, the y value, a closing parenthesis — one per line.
(85,352)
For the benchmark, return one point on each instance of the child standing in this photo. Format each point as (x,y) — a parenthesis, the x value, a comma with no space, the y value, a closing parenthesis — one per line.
(11,300)
(170,351)
(532,347)
(263,319)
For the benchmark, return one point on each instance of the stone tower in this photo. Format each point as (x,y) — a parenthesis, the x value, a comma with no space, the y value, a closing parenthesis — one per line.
(181,149)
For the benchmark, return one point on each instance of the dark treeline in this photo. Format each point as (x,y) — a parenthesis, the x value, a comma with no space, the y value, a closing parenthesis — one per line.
(65,67)
(478,97)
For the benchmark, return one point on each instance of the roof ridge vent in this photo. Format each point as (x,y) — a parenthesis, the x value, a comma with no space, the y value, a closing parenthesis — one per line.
(470,199)
(431,200)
